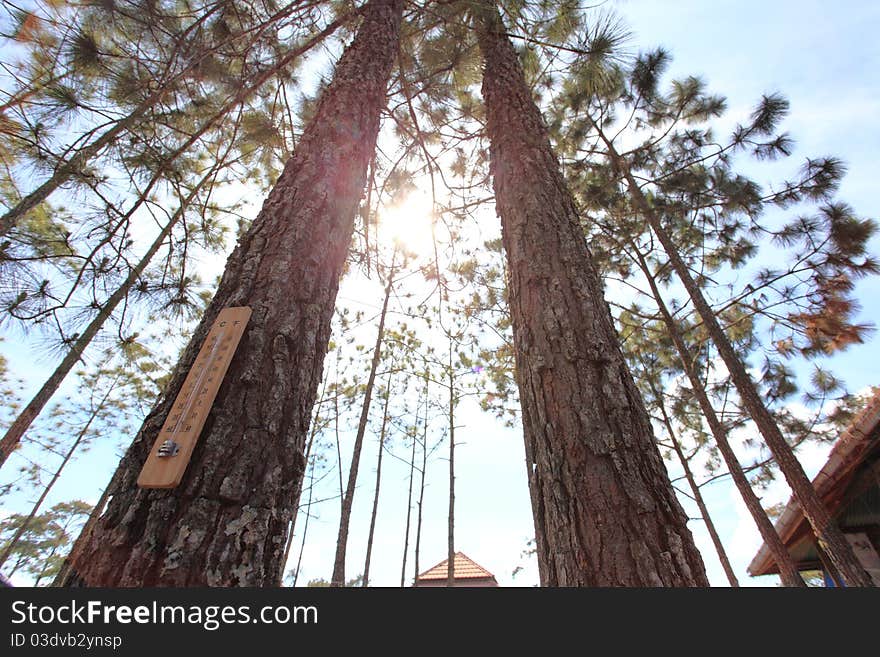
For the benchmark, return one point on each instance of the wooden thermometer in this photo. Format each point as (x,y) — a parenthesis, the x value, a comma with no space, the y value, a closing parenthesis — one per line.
(173,448)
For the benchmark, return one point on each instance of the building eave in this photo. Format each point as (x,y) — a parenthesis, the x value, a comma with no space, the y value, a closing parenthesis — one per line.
(849,450)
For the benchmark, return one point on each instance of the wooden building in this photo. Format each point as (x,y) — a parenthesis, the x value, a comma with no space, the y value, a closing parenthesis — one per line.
(849,485)
(465,571)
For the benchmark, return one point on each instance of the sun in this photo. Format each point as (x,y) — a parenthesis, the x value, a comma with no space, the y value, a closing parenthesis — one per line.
(407,223)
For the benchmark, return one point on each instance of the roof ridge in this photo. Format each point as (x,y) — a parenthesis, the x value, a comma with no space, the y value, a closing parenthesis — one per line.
(463,567)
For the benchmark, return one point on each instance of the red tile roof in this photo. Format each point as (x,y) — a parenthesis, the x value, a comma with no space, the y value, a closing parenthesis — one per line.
(463,568)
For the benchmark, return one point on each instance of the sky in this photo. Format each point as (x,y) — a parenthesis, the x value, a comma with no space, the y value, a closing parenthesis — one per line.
(824,57)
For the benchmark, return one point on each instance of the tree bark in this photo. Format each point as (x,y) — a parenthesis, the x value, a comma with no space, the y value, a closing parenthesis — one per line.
(610,514)
(338,578)
(827,533)
(371,533)
(788,572)
(450,533)
(225,524)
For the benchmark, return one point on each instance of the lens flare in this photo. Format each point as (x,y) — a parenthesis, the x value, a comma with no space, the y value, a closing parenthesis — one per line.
(407,222)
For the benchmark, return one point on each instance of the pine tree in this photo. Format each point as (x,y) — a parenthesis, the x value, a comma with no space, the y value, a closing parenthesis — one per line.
(678,180)
(695,488)
(167,166)
(386,393)
(828,534)
(39,549)
(225,524)
(167,53)
(610,516)
(105,399)
(338,578)
(788,571)
(13,436)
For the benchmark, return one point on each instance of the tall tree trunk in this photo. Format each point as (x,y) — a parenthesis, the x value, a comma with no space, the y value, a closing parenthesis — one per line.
(378,482)
(422,487)
(338,578)
(610,514)
(12,437)
(14,434)
(827,532)
(225,524)
(788,572)
(450,534)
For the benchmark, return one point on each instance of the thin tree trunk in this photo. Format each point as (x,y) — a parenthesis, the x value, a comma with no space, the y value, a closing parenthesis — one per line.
(68,568)
(450,533)
(695,489)
(224,525)
(788,571)
(338,578)
(312,433)
(46,565)
(378,482)
(51,554)
(13,436)
(69,455)
(827,532)
(412,473)
(336,436)
(422,486)
(70,168)
(302,545)
(611,517)
(17,565)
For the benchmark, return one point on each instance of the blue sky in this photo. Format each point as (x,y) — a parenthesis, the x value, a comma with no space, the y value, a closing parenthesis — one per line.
(824,58)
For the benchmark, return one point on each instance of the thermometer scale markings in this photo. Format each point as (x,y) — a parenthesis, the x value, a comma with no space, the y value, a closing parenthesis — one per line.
(198,384)
(173,448)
